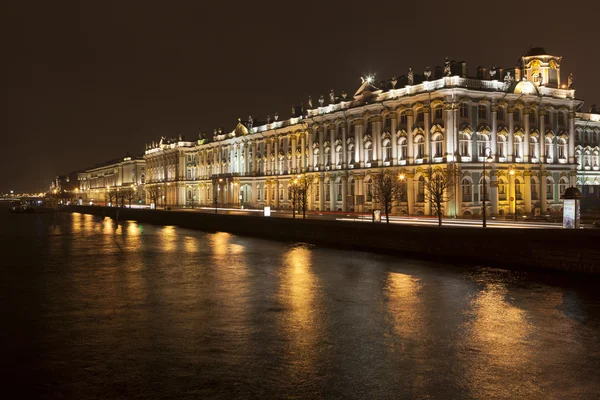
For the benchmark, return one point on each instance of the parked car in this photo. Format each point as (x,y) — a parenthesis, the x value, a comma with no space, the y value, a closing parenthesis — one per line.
(596,224)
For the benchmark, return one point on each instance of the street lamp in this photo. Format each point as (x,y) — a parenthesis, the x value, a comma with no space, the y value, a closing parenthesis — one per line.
(485,160)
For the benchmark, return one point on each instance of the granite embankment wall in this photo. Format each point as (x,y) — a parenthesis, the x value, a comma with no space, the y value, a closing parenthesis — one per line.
(575,251)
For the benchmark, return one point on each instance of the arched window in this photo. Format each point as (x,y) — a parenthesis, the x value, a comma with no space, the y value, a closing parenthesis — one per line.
(502,189)
(281,192)
(421,189)
(438,113)
(369,189)
(517,117)
(586,160)
(419,147)
(501,146)
(387,150)
(327,190)
(338,189)
(463,110)
(549,189)
(464,144)
(387,127)
(327,156)
(338,155)
(482,112)
(438,145)
(316,190)
(518,189)
(563,184)
(368,152)
(561,119)
(500,114)
(316,157)
(402,149)
(518,147)
(467,193)
(562,149)
(578,159)
(533,150)
(484,191)
(420,116)
(483,142)
(548,153)
(535,184)
(350,153)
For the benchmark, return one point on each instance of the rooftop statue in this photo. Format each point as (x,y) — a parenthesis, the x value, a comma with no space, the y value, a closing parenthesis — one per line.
(411,76)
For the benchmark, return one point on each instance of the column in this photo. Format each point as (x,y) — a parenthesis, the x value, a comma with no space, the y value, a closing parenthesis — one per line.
(294,145)
(409,130)
(572,137)
(276,188)
(543,200)
(526,157)
(360,148)
(427,128)
(254,160)
(276,170)
(321,192)
(303,156)
(511,134)
(494,140)
(268,169)
(377,152)
(332,146)
(394,138)
(344,145)
(311,162)
(494,190)
(344,192)
(527,192)
(321,132)
(410,193)
(450,132)
(332,194)
(542,125)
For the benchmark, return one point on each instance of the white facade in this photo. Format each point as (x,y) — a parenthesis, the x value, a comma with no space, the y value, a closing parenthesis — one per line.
(95,182)
(524,118)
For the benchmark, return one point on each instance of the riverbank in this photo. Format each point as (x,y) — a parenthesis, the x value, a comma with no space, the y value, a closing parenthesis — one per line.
(572,251)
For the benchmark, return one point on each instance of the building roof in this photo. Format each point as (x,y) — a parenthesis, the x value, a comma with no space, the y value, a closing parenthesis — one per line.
(536,51)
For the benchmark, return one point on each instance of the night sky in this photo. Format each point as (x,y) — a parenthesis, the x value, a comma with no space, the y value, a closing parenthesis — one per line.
(86,82)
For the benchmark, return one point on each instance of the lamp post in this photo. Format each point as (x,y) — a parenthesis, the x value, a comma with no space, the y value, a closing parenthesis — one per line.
(485,160)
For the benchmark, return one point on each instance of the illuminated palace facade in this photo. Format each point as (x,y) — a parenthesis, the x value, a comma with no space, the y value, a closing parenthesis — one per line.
(130,172)
(524,118)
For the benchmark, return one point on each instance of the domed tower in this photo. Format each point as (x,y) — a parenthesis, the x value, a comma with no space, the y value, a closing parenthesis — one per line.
(541,68)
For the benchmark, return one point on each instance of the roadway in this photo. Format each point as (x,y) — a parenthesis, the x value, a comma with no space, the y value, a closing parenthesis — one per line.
(355,217)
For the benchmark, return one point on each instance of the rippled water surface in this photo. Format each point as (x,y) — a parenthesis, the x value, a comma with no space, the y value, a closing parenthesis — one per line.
(96,310)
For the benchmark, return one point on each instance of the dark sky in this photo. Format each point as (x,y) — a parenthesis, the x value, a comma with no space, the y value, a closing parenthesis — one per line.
(85,82)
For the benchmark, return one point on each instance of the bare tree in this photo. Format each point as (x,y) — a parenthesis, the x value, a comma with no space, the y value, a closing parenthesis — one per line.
(301,192)
(111,195)
(386,189)
(128,194)
(439,188)
(153,193)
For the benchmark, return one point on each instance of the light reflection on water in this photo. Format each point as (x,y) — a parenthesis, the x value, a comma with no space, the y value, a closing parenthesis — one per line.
(131,310)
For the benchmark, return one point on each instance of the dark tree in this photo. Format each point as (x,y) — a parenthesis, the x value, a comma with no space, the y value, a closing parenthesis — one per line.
(439,189)
(387,189)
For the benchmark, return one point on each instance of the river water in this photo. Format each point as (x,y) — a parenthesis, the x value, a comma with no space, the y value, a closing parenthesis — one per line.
(96,310)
